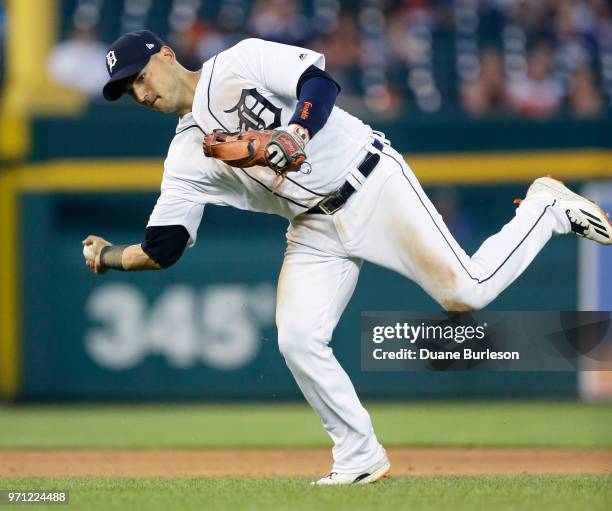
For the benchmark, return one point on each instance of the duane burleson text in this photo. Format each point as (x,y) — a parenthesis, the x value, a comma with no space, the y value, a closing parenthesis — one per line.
(425,354)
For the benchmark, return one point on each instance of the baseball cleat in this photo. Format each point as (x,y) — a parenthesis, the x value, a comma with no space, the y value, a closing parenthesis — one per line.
(586,218)
(373,474)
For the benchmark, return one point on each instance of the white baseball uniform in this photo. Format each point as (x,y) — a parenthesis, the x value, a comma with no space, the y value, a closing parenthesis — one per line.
(388,221)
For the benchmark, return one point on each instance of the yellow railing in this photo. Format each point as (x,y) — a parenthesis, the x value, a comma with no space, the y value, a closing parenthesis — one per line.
(31,33)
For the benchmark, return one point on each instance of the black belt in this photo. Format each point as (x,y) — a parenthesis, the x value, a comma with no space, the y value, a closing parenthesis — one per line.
(335,200)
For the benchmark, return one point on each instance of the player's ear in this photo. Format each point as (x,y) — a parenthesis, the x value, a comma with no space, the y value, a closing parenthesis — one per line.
(168,54)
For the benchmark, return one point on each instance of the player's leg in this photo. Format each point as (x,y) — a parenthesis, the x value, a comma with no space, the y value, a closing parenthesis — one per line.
(392,222)
(314,288)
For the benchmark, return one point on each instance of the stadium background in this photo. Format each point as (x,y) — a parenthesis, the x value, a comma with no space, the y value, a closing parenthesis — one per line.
(480,96)
(205,328)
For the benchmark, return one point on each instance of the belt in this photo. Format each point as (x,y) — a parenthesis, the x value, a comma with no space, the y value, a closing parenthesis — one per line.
(335,200)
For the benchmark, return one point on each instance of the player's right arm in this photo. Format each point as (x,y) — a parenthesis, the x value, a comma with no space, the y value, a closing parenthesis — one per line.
(118,257)
(172,228)
(162,247)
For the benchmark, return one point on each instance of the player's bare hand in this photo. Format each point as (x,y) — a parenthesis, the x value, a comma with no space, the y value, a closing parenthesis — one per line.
(92,246)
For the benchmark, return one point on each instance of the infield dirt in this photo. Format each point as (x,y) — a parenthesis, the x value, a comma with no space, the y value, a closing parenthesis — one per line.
(294,462)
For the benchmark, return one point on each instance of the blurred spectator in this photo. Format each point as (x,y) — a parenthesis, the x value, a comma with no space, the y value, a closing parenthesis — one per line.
(280,21)
(584,98)
(486,95)
(342,50)
(385,100)
(602,10)
(212,41)
(405,31)
(537,94)
(341,46)
(575,31)
(79,63)
(185,42)
(196,44)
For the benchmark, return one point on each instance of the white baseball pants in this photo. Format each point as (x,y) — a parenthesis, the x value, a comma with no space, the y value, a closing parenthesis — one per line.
(389,222)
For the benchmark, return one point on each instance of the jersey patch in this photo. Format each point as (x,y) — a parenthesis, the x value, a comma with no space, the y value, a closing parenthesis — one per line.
(255,112)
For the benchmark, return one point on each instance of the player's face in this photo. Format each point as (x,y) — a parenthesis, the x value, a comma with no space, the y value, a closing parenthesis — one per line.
(156,85)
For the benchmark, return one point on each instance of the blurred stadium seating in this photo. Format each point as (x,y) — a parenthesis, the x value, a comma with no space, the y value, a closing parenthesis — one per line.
(420,55)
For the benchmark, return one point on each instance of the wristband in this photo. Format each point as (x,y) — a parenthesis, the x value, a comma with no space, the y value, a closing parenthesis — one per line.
(111,255)
(300,133)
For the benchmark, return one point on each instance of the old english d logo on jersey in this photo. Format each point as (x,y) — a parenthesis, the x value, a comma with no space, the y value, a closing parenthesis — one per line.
(255,112)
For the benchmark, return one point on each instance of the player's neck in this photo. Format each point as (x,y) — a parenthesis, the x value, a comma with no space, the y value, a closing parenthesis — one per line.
(189,81)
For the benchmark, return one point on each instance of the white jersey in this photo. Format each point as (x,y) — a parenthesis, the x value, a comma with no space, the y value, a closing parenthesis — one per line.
(253,86)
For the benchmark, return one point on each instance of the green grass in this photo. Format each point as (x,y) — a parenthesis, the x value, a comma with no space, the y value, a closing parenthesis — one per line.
(565,424)
(541,493)
(503,424)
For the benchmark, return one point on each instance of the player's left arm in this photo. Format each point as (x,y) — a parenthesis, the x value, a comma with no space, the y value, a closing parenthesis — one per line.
(316,92)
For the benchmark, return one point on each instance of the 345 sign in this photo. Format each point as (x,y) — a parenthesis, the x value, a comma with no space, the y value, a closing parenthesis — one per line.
(220,326)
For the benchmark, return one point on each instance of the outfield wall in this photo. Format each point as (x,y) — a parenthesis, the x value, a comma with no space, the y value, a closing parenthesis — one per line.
(204,329)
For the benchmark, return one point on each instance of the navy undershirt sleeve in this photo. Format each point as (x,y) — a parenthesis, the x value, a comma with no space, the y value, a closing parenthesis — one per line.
(317,92)
(165,244)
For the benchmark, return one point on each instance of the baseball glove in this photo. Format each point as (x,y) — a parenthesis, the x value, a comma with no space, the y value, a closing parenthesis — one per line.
(279,150)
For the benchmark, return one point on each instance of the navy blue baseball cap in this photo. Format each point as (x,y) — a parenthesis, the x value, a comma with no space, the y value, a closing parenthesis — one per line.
(126,57)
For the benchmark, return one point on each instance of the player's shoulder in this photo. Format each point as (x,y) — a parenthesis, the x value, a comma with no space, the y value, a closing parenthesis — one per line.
(233,61)
(240,51)
(248,46)
(249,42)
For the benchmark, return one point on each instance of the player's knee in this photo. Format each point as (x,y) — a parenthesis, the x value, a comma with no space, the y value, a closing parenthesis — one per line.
(466,300)
(286,345)
(455,305)
(292,341)
(297,339)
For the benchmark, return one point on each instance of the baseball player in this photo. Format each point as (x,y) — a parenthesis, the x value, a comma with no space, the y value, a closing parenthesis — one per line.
(277,144)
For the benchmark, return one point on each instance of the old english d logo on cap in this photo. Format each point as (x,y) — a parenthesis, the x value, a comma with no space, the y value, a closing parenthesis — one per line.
(111,60)
(126,57)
